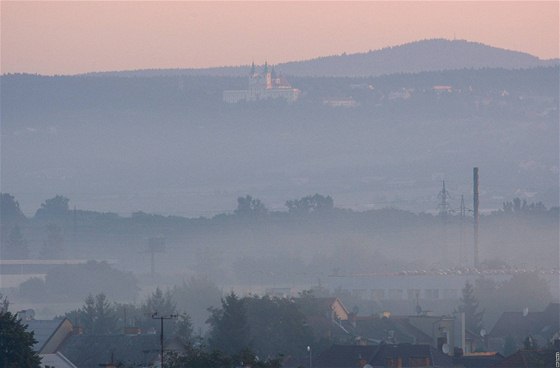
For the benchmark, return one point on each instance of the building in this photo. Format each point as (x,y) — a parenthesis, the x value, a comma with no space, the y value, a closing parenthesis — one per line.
(383,356)
(263,86)
(542,326)
(49,334)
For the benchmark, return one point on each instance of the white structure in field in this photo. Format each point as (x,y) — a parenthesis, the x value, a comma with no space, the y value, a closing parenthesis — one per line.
(263,86)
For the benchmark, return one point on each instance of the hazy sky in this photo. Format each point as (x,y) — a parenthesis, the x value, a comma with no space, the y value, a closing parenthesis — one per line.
(74,37)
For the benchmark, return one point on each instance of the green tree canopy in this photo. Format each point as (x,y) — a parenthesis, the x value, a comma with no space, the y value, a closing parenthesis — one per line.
(229,327)
(277,326)
(16,343)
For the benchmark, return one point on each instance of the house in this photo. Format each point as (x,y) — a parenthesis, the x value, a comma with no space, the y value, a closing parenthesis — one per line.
(478,360)
(328,317)
(542,326)
(56,360)
(91,351)
(50,334)
(343,356)
(529,359)
(382,355)
(441,332)
(410,355)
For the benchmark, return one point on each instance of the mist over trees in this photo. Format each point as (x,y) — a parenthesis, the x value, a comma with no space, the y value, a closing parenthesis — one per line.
(251,203)
(175,133)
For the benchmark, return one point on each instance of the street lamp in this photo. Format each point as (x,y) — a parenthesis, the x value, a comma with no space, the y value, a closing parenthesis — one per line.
(310,360)
(161,318)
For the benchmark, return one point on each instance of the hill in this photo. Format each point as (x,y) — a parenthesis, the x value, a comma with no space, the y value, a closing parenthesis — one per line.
(414,57)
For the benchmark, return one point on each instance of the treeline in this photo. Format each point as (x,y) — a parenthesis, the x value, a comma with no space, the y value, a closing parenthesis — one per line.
(27,94)
(55,223)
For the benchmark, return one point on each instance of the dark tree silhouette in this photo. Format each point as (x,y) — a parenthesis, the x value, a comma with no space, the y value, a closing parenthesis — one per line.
(15,246)
(16,343)
(315,203)
(53,245)
(469,305)
(54,208)
(9,209)
(229,327)
(250,207)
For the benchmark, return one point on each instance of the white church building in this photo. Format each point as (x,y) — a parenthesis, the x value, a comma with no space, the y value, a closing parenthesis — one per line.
(263,86)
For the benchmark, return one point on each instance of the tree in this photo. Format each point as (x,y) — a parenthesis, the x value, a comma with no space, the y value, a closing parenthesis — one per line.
(34,290)
(195,296)
(229,328)
(183,329)
(75,281)
(9,209)
(469,306)
(310,204)
(198,357)
(53,245)
(4,303)
(524,290)
(97,315)
(159,302)
(54,208)
(517,206)
(16,343)
(277,325)
(15,246)
(250,207)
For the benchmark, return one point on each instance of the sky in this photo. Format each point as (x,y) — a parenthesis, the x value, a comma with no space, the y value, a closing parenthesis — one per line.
(70,37)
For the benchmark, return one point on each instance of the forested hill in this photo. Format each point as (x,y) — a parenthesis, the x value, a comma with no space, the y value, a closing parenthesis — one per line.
(25,94)
(428,55)
(414,57)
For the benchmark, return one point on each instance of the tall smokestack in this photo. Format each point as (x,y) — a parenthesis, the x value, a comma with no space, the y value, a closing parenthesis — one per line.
(476,217)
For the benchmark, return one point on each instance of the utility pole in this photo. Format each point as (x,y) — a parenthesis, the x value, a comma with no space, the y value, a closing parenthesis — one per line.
(443,204)
(444,211)
(463,215)
(161,318)
(476,216)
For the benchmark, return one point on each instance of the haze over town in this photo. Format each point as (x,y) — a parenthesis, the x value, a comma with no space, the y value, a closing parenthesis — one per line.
(291,181)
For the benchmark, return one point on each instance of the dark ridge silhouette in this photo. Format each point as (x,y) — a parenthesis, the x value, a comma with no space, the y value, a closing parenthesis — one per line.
(413,57)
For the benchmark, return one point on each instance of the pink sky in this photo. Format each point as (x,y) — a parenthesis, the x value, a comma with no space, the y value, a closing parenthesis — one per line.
(75,37)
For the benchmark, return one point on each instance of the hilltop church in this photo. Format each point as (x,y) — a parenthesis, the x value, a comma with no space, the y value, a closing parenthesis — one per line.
(263,86)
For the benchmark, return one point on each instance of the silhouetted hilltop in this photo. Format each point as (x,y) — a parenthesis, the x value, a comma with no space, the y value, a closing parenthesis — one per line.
(420,56)
(414,57)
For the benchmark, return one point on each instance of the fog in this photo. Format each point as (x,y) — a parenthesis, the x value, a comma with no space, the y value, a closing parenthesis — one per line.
(157,183)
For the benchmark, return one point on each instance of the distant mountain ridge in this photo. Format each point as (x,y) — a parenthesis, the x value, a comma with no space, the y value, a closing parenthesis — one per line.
(414,57)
